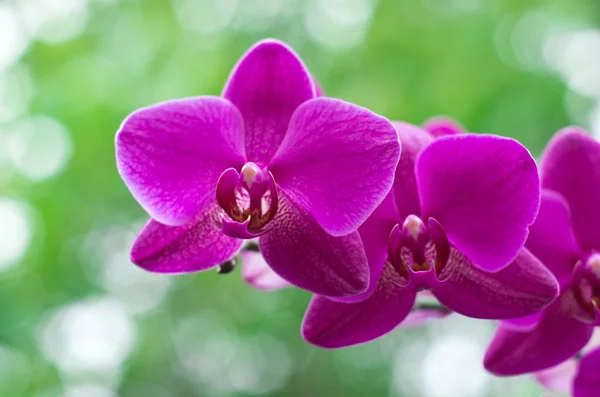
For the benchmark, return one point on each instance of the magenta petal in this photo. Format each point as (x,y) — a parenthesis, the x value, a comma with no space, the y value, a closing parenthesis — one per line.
(171,155)
(571,167)
(257,273)
(441,126)
(301,252)
(267,85)
(525,323)
(558,379)
(338,161)
(587,380)
(557,338)
(195,246)
(522,288)
(551,237)
(484,191)
(332,324)
(405,189)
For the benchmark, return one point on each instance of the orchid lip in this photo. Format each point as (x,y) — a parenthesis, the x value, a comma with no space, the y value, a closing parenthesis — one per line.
(418,253)
(586,286)
(248,199)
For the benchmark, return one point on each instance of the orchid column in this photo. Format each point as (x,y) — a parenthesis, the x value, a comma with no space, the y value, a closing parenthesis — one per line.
(268,159)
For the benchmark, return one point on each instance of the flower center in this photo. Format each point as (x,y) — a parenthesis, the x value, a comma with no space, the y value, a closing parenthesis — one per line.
(418,252)
(248,199)
(586,284)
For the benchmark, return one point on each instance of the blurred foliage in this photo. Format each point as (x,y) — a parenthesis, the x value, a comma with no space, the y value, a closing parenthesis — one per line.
(415,60)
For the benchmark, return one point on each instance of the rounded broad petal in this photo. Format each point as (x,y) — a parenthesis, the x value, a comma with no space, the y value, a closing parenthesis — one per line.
(587,380)
(193,247)
(551,237)
(267,85)
(571,167)
(374,234)
(558,379)
(557,337)
(338,161)
(484,191)
(522,288)
(301,252)
(333,325)
(406,192)
(171,155)
(257,273)
(439,126)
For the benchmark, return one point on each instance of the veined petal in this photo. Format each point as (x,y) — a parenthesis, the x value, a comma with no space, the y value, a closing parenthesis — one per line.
(441,126)
(587,380)
(484,191)
(374,234)
(193,247)
(267,85)
(338,161)
(558,379)
(522,288)
(557,337)
(257,273)
(551,237)
(171,155)
(332,324)
(571,167)
(405,189)
(301,252)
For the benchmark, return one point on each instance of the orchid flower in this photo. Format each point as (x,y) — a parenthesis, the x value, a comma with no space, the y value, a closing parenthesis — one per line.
(268,159)
(454,223)
(566,238)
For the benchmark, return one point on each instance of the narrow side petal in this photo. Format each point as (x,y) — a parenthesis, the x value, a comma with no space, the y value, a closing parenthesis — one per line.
(439,126)
(571,167)
(171,155)
(484,191)
(333,325)
(193,247)
(257,273)
(338,161)
(301,252)
(267,85)
(406,192)
(557,337)
(558,379)
(522,288)
(551,237)
(587,380)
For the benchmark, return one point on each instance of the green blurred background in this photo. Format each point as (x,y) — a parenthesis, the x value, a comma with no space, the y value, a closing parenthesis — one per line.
(78,320)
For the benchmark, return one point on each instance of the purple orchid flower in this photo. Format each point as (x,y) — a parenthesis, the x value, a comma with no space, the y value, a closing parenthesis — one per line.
(578,376)
(454,223)
(442,126)
(565,238)
(268,159)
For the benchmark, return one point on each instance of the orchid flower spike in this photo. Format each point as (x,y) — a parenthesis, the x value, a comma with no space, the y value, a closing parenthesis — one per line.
(454,223)
(268,159)
(566,239)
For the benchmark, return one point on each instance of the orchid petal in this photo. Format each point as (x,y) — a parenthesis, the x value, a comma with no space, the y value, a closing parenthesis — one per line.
(300,251)
(484,191)
(338,161)
(257,273)
(571,167)
(193,247)
(267,85)
(558,379)
(441,126)
(522,288)
(551,237)
(332,324)
(557,337)
(587,380)
(405,189)
(171,155)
